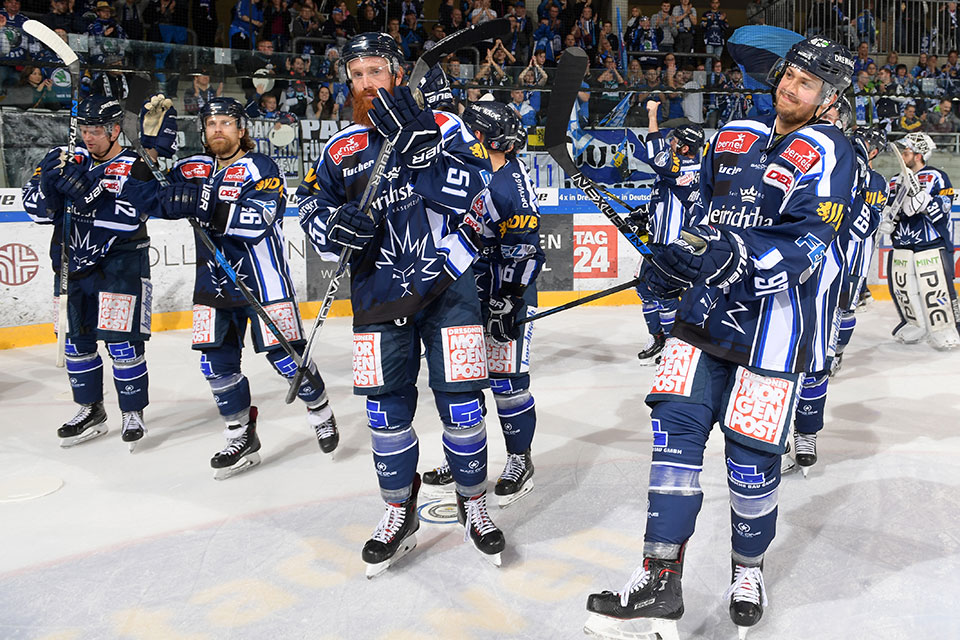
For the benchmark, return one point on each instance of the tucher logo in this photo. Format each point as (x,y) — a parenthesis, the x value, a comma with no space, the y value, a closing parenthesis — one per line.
(801,154)
(348,146)
(18,264)
(735,141)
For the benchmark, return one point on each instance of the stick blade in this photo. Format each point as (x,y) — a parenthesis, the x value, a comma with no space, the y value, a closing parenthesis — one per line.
(572,64)
(49,37)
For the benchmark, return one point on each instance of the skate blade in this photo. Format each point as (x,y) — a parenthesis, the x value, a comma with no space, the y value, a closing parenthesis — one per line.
(742,632)
(89,434)
(788,465)
(506,501)
(408,545)
(242,465)
(493,558)
(133,443)
(639,629)
(648,362)
(804,471)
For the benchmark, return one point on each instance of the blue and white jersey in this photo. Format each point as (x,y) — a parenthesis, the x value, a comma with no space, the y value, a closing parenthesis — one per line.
(426,237)
(128,197)
(248,205)
(786,198)
(867,210)
(676,190)
(931,227)
(511,258)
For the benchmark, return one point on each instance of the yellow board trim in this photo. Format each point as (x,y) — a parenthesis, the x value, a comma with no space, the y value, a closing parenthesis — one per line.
(33,334)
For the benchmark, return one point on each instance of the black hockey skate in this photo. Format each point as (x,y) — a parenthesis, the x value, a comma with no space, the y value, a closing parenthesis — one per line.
(805,450)
(747,596)
(651,352)
(89,423)
(133,428)
(394,536)
(324,423)
(836,363)
(479,528)
(647,607)
(438,483)
(516,480)
(241,451)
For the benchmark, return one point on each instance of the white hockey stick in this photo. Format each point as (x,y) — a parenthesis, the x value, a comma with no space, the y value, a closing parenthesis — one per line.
(48,37)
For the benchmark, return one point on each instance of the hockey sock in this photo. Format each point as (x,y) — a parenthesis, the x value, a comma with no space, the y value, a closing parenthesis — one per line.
(129,374)
(668,314)
(518,415)
(86,375)
(286,367)
(810,405)
(231,393)
(753,479)
(673,503)
(750,537)
(395,456)
(848,322)
(466,452)
(651,315)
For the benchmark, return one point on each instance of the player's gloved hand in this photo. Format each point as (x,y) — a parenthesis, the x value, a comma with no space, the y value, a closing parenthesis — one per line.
(639,219)
(187,200)
(158,125)
(73,181)
(412,131)
(50,168)
(702,255)
(350,227)
(502,323)
(918,203)
(435,89)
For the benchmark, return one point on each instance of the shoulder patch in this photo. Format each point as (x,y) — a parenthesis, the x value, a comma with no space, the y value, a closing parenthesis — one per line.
(801,154)
(734,141)
(195,170)
(235,174)
(348,146)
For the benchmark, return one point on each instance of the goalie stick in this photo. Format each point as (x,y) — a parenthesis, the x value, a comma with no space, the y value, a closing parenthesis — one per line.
(52,41)
(139,90)
(448,45)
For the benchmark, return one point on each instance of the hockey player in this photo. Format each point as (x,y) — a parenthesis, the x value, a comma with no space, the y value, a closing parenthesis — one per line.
(676,161)
(410,283)
(774,191)
(237,195)
(921,264)
(109,290)
(506,275)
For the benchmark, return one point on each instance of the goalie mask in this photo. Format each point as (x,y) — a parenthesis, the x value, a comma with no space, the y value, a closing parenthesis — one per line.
(919,143)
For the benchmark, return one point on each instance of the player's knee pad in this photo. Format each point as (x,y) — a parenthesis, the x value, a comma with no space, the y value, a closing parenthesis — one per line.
(460,409)
(393,410)
(753,479)
(129,374)
(85,369)
(517,411)
(286,367)
(811,403)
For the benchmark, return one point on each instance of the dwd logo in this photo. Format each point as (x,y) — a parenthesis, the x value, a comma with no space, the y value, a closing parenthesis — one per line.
(18,264)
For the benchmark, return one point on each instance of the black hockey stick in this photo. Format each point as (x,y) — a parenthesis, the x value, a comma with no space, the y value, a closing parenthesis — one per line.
(139,88)
(570,71)
(446,46)
(577,303)
(48,37)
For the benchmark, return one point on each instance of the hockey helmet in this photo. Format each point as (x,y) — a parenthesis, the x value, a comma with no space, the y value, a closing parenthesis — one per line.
(690,135)
(821,57)
(872,138)
(367,45)
(844,115)
(520,132)
(495,121)
(918,143)
(99,110)
(226,107)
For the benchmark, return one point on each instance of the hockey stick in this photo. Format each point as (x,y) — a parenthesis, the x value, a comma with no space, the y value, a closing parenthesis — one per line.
(133,102)
(908,183)
(448,45)
(570,71)
(48,37)
(577,303)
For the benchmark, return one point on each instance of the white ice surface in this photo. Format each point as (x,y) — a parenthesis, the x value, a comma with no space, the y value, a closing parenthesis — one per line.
(148,545)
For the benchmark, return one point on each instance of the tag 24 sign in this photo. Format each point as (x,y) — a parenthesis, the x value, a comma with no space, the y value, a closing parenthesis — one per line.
(595,251)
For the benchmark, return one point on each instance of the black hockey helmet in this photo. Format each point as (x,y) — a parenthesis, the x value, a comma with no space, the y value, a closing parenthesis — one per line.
(821,57)
(99,110)
(690,135)
(520,132)
(370,44)
(495,121)
(224,106)
(872,138)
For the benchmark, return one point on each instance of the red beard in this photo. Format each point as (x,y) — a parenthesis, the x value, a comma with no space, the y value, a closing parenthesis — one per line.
(362,104)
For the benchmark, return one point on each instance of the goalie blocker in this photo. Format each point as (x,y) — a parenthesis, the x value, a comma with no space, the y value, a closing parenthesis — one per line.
(923,293)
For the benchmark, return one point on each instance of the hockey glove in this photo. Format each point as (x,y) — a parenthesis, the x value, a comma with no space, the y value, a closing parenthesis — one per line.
(73,181)
(639,220)
(158,126)
(412,131)
(436,90)
(502,323)
(917,203)
(702,255)
(350,227)
(50,168)
(187,200)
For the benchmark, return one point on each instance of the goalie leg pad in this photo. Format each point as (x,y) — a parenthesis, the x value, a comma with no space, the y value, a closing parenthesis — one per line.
(902,280)
(937,297)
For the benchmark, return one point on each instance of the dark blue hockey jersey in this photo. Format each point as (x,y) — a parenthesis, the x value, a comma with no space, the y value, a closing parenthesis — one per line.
(511,258)
(119,216)
(426,237)
(786,197)
(249,205)
(676,190)
(931,227)
(867,210)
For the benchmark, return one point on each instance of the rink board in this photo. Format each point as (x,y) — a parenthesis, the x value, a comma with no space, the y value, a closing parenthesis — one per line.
(584,253)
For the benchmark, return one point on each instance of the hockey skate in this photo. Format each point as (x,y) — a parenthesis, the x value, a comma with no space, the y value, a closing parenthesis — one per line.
(133,428)
(324,423)
(865,298)
(479,528)
(651,351)
(438,483)
(836,363)
(747,596)
(241,451)
(805,446)
(647,607)
(516,480)
(788,461)
(394,536)
(89,423)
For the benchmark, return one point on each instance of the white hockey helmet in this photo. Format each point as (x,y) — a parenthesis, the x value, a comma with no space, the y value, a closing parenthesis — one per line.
(918,143)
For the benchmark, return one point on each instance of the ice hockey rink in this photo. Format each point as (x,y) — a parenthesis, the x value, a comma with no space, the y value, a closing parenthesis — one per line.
(148,546)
